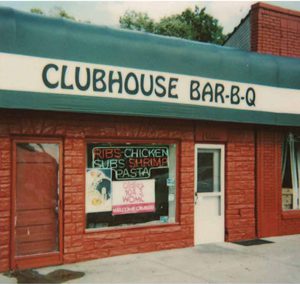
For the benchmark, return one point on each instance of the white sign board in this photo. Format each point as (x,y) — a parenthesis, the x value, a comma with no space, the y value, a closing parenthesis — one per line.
(134,196)
(44,75)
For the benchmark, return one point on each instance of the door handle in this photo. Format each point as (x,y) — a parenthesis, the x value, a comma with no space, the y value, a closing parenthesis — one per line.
(220,205)
(57,207)
(196,197)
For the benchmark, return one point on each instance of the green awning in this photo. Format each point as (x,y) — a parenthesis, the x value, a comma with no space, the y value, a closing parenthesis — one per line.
(56,39)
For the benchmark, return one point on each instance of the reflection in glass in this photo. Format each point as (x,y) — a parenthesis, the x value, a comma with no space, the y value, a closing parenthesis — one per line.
(291,173)
(208,170)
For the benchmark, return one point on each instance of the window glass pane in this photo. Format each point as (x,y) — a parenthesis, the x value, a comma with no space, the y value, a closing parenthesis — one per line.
(128,184)
(287,175)
(37,183)
(290,172)
(208,171)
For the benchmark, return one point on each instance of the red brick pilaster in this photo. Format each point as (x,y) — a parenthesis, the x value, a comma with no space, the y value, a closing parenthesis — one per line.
(5,200)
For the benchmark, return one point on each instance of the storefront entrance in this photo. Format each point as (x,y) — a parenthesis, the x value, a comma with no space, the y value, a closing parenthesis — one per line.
(209,193)
(37,225)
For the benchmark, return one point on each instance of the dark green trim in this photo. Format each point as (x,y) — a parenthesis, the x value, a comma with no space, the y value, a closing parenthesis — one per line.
(29,34)
(87,104)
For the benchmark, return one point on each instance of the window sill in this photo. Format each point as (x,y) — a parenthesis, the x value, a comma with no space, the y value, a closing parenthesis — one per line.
(163,226)
(291,214)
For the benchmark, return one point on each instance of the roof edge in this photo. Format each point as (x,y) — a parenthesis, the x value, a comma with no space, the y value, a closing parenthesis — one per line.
(274,8)
(237,27)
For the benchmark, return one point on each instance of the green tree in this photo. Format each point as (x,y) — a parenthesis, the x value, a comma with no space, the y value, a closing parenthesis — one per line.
(36,11)
(190,24)
(57,12)
(137,21)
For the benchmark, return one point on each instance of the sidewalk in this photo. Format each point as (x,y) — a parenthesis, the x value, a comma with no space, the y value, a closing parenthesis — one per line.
(276,262)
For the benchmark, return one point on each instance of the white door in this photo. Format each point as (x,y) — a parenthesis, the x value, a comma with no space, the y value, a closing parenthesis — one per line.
(209,193)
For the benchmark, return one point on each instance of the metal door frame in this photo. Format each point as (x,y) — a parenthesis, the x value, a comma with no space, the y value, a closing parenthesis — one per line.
(220,147)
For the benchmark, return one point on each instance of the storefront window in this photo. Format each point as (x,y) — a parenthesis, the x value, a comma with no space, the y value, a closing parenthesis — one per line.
(291,172)
(130,184)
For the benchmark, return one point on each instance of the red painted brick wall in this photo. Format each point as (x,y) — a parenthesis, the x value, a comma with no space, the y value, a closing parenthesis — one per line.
(5,194)
(272,220)
(240,181)
(73,129)
(275,30)
(268,182)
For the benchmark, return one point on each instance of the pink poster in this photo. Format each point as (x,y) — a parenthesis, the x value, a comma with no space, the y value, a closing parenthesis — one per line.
(133,196)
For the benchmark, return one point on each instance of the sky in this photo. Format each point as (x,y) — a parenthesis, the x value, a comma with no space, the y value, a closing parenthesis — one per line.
(229,13)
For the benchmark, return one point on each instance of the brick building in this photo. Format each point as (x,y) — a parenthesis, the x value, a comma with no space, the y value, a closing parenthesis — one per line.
(115,142)
(268,29)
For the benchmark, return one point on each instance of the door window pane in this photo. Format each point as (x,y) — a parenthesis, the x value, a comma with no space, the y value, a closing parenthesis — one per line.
(208,170)
(37,182)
